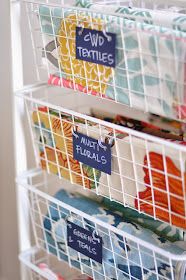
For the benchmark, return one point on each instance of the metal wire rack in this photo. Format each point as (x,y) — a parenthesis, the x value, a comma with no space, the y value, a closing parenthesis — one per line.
(164,264)
(39,266)
(148,172)
(150,55)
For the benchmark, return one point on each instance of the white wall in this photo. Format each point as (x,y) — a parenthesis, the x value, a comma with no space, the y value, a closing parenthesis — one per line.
(9,266)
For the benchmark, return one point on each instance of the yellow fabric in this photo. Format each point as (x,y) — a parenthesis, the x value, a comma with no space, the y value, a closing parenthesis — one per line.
(97,76)
(57,152)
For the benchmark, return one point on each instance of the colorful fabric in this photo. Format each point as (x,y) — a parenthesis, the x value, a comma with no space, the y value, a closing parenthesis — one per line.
(146,180)
(149,73)
(120,258)
(56,81)
(147,128)
(161,229)
(168,18)
(56,149)
(87,74)
(142,176)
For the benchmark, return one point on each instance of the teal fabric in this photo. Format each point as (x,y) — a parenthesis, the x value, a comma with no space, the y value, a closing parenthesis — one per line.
(120,255)
(159,92)
(163,230)
(146,76)
(168,19)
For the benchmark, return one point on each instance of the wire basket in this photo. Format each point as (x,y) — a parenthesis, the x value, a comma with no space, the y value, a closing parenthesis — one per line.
(39,266)
(150,59)
(125,256)
(148,173)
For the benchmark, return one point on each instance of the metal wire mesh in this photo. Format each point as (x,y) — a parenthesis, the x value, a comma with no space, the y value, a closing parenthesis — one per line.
(41,203)
(148,172)
(150,70)
(38,265)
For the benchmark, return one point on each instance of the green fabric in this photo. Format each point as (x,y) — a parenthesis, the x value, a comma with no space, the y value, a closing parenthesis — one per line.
(170,233)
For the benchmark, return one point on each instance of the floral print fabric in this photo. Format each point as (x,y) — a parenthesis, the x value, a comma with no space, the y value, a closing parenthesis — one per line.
(56,149)
(121,255)
(150,69)
(143,177)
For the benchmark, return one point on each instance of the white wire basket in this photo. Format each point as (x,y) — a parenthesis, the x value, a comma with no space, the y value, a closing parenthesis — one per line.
(133,258)
(150,51)
(148,173)
(39,265)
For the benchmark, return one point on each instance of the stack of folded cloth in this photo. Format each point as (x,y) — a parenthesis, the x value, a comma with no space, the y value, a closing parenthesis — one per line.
(122,257)
(150,55)
(142,176)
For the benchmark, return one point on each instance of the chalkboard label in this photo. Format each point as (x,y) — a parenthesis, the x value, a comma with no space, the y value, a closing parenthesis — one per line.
(84,241)
(92,152)
(95,46)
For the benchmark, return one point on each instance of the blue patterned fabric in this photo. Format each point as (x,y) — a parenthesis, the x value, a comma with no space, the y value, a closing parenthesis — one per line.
(121,257)
(163,230)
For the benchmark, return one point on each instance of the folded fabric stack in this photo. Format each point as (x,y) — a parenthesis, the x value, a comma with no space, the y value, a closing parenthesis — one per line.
(146,180)
(121,257)
(56,147)
(171,19)
(150,55)
(147,176)
(143,177)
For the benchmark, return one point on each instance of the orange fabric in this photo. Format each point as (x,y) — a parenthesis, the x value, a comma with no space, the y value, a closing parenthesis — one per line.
(173,186)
